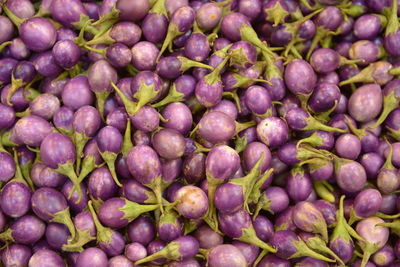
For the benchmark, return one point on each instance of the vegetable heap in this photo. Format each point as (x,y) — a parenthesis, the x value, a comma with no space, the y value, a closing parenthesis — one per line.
(186,133)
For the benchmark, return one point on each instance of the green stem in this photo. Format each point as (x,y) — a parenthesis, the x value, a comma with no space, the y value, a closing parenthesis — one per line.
(102,39)
(159,8)
(173,96)
(15,85)
(109,158)
(157,187)
(249,236)
(101,99)
(67,169)
(241,126)
(80,140)
(304,251)
(173,31)
(364,76)
(76,245)
(390,103)
(127,142)
(132,210)
(14,19)
(4,45)
(211,216)
(64,217)
(393,22)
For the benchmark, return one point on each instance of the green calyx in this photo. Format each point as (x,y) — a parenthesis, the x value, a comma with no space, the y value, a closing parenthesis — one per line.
(304,251)
(241,126)
(247,182)
(393,22)
(354,10)
(104,234)
(200,148)
(240,143)
(84,23)
(353,216)
(366,75)
(263,203)
(173,96)
(81,239)
(249,236)
(101,98)
(132,210)
(313,124)
(314,140)
(317,244)
(187,64)
(388,165)
(67,169)
(360,133)
(320,35)
(225,10)
(95,50)
(238,57)
(109,158)
(127,144)
(345,61)
(390,103)
(169,217)
(256,193)
(172,33)
(368,249)
(158,185)
(80,140)
(211,216)
(64,217)
(170,252)
(342,229)
(145,94)
(6,141)
(15,85)
(7,237)
(277,13)
(159,8)
(308,154)
(190,226)
(18,176)
(244,82)
(249,34)
(234,96)
(394,226)
(88,165)
(215,76)
(293,29)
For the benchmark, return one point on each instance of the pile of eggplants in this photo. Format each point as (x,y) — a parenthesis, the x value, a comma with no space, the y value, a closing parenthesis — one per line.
(186,133)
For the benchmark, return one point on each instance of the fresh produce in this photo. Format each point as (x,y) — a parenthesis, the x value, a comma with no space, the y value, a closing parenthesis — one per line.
(187,133)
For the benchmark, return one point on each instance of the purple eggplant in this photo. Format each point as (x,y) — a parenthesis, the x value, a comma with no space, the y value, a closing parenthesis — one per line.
(25,230)
(182,248)
(225,255)
(374,236)
(93,256)
(289,245)
(110,241)
(46,258)
(238,226)
(58,152)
